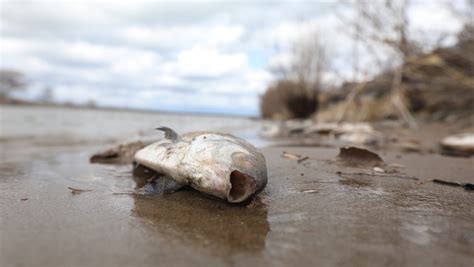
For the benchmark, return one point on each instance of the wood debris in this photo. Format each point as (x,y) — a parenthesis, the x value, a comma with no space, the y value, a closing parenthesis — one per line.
(77,191)
(291,156)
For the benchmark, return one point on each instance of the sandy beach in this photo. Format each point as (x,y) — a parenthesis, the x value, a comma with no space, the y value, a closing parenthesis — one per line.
(311,213)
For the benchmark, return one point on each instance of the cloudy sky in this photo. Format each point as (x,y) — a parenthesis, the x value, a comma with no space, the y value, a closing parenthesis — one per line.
(177,56)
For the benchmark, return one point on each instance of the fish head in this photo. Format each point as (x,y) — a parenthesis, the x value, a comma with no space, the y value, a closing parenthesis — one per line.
(225,167)
(236,178)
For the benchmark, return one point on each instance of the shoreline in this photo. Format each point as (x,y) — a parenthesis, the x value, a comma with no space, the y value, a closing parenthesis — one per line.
(132,110)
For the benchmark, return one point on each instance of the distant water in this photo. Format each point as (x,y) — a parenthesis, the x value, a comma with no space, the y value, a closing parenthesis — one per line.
(81,125)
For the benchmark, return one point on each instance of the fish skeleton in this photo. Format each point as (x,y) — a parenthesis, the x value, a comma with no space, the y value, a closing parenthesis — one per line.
(220,165)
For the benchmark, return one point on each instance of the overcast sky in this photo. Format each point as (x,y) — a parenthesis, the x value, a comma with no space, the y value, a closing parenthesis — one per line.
(178,56)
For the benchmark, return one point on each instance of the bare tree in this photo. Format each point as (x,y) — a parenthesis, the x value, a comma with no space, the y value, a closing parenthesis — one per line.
(383,24)
(309,60)
(295,94)
(11,81)
(463,10)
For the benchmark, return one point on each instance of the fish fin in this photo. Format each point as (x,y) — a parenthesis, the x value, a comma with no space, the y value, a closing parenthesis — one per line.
(166,185)
(170,134)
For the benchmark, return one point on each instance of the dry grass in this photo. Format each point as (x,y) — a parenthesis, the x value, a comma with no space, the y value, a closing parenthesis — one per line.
(287,100)
(361,109)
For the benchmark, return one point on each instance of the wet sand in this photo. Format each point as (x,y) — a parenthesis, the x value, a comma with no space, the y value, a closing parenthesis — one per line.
(308,215)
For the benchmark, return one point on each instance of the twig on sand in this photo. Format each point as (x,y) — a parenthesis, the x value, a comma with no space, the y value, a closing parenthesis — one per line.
(379,174)
(302,159)
(76,191)
(466,186)
(292,156)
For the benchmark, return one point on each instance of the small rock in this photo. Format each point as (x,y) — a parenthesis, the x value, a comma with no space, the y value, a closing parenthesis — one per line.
(458,144)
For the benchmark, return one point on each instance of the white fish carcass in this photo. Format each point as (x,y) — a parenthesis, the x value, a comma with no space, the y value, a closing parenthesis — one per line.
(216,164)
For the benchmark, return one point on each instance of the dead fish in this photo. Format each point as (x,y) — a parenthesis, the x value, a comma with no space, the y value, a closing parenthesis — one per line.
(220,165)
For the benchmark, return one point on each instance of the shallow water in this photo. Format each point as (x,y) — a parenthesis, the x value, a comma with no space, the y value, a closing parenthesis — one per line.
(78,125)
(308,215)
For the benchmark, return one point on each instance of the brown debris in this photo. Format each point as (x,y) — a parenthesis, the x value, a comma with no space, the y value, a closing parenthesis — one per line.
(121,154)
(367,163)
(359,157)
(411,146)
(77,191)
(291,156)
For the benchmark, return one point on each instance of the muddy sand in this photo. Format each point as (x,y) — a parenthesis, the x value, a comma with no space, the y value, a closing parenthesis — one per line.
(312,213)
(315,212)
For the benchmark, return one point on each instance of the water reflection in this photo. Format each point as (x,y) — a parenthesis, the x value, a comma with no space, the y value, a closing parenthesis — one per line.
(200,222)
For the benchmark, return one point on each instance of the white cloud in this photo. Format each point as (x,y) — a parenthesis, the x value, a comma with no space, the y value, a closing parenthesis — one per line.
(202,61)
(180,36)
(163,55)
(432,20)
